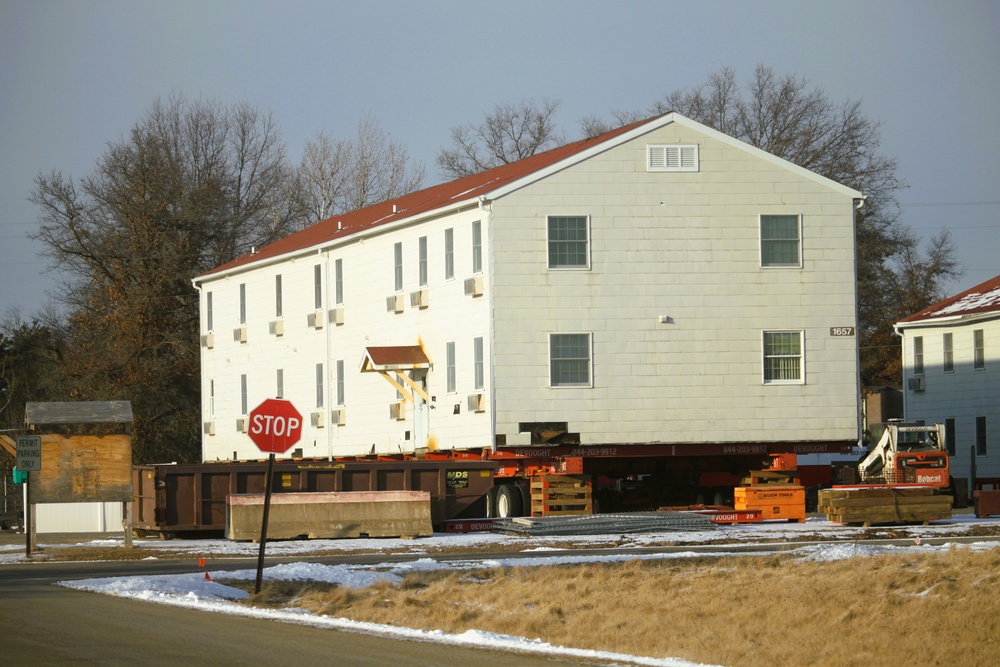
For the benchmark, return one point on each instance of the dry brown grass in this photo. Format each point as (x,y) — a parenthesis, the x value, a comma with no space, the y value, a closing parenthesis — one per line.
(912,609)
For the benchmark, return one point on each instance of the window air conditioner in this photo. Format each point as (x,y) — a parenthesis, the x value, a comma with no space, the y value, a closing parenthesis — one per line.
(240,334)
(337,315)
(241,424)
(210,428)
(916,384)
(397,410)
(277,327)
(419,299)
(318,419)
(339,416)
(394,303)
(474,286)
(208,340)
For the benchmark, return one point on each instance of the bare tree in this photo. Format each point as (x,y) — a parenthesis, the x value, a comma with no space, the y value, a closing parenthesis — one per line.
(340,175)
(511,133)
(192,186)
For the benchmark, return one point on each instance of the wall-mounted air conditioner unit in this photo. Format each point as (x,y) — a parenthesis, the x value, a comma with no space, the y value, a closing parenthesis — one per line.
(210,428)
(316,320)
(208,340)
(474,286)
(394,303)
(397,410)
(318,419)
(277,327)
(477,402)
(420,298)
(916,384)
(337,315)
(241,424)
(240,334)
(339,416)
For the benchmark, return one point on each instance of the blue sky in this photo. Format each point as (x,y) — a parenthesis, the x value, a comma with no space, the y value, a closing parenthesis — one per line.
(75,75)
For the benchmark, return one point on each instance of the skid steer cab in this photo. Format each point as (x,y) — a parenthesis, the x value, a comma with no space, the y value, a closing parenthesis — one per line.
(906,455)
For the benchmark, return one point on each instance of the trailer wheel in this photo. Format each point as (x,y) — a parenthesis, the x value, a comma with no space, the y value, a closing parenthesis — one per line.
(508,502)
(491,503)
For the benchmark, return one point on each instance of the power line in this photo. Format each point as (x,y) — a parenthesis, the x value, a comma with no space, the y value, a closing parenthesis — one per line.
(950,203)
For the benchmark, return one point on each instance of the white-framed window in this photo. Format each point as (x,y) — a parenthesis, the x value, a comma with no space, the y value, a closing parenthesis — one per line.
(569,360)
(211,399)
(978,349)
(279,383)
(422,261)
(568,241)
(338,275)
(948,348)
(277,295)
(783,358)
(209,325)
(319,385)
(477,362)
(980,436)
(449,254)
(949,435)
(918,355)
(243,303)
(341,393)
(672,157)
(397,262)
(244,397)
(780,241)
(318,286)
(477,246)
(450,367)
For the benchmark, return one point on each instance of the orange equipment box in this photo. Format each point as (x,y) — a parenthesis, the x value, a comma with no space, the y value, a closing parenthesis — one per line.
(773,501)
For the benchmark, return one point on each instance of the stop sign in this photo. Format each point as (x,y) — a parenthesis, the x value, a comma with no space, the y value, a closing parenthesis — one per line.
(275,426)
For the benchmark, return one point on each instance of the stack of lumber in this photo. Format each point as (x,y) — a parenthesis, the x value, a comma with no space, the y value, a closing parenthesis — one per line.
(867,506)
(554,495)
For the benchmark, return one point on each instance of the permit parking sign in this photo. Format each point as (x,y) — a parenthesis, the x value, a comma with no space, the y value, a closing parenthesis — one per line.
(29,452)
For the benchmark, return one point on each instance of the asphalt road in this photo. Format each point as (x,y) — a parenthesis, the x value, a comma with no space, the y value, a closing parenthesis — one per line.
(43,624)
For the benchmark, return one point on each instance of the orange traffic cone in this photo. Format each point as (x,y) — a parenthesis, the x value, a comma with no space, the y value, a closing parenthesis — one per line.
(201,562)
(207,577)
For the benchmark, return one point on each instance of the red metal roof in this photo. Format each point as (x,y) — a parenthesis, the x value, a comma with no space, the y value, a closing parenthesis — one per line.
(430,199)
(398,355)
(983,298)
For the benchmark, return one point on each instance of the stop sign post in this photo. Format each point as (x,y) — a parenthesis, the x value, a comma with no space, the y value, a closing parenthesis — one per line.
(275,427)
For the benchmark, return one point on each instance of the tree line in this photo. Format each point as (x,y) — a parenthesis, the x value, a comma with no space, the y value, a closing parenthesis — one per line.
(196,184)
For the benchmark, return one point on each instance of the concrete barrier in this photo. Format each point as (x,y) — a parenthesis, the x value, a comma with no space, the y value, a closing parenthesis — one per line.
(330,515)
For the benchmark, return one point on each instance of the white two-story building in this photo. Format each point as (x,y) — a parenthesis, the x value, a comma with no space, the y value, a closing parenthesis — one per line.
(660,284)
(950,356)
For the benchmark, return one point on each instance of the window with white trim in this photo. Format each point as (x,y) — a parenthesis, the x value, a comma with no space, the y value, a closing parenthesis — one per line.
(211,399)
(244,397)
(397,253)
(477,247)
(449,254)
(978,349)
(338,270)
(208,312)
(780,241)
(948,346)
(918,355)
(277,295)
(243,303)
(450,367)
(568,241)
(980,436)
(477,362)
(319,385)
(318,287)
(422,261)
(341,393)
(783,359)
(569,360)
(672,157)
(279,383)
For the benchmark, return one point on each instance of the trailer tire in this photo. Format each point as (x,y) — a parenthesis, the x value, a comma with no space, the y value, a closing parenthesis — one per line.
(508,503)
(491,503)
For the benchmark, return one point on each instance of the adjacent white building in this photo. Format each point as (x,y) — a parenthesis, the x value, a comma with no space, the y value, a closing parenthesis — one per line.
(950,375)
(662,283)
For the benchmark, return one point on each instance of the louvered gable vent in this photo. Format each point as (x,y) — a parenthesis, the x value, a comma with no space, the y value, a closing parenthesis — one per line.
(674,157)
